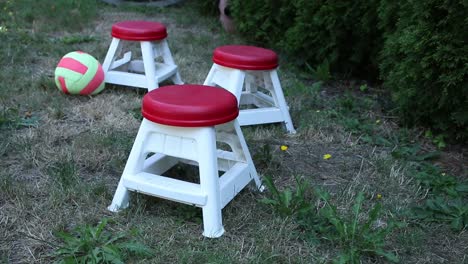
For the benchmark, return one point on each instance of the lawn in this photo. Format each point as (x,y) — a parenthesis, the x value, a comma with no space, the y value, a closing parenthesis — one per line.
(350,186)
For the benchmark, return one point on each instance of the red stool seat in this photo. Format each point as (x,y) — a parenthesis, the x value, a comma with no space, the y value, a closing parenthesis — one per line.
(244,57)
(190,106)
(138,30)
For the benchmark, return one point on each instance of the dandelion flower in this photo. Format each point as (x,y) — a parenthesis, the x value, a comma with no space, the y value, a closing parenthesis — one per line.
(327,156)
(284,147)
(379,196)
(377,121)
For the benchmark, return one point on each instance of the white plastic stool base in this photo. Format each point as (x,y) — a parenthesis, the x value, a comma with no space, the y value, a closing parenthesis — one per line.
(261,89)
(145,73)
(196,146)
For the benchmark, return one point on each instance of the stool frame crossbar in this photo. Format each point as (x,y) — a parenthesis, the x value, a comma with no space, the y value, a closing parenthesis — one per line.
(261,89)
(142,73)
(196,146)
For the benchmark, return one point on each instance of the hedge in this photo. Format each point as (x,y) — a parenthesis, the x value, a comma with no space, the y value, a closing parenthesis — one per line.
(424,63)
(417,49)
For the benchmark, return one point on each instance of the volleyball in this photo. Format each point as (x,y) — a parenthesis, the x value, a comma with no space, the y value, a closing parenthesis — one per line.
(79,73)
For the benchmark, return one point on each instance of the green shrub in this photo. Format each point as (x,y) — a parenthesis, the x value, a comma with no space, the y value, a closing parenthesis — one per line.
(344,33)
(418,49)
(424,63)
(207,7)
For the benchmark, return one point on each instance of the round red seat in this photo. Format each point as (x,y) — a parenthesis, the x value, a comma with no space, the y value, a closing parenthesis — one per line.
(190,105)
(244,57)
(139,30)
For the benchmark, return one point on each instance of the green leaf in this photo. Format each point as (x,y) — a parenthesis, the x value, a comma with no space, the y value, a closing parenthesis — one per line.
(96,233)
(462,188)
(271,186)
(356,210)
(457,224)
(389,256)
(268,201)
(286,198)
(428,156)
(373,214)
(136,248)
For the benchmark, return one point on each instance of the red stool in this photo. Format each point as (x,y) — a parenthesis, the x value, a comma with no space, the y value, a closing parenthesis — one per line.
(182,123)
(144,72)
(250,74)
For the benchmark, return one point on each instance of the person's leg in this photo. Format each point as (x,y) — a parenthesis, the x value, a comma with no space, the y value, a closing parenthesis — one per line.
(225,17)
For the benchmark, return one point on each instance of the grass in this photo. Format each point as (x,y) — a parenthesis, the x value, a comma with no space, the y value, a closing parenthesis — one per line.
(62,157)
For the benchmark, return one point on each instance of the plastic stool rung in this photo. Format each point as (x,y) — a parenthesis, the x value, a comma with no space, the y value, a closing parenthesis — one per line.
(163,72)
(260,116)
(159,163)
(258,99)
(124,60)
(126,78)
(226,160)
(164,187)
(233,181)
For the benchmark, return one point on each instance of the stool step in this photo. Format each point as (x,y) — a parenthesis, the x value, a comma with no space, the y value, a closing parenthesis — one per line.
(137,79)
(258,99)
(164,187)
(260,116)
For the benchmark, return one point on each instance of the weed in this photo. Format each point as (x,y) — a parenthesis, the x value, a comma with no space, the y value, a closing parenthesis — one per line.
(11,119)
(287,202)
(357,238)
(264,157)
(438,140)
(321,72)
(309,94)
(187,213)
(96,245)
(411,152)
(363,88)
(439,209)
(64,174)
(438,182)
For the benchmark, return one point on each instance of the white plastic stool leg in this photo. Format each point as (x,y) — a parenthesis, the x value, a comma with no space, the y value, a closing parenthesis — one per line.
(148,62)
(248,158)
(280,100)
(231,134)
(167,58)
(209,182)
(111,53)
(134,164)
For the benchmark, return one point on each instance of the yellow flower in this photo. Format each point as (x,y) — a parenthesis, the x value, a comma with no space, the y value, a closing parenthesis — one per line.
(379,196)
(327,156)
(377,121)
(284,147)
